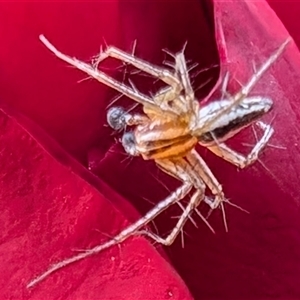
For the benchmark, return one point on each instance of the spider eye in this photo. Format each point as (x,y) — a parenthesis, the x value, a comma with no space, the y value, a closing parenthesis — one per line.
(128,142)
(116,118)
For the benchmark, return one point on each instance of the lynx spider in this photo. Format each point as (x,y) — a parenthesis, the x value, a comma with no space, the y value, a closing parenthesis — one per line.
(169,130)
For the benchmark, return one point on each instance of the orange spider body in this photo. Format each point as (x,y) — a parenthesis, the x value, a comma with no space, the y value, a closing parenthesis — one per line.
(162,137)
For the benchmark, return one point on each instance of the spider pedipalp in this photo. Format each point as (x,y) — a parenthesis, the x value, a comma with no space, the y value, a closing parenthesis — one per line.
(116,118)
(128,143)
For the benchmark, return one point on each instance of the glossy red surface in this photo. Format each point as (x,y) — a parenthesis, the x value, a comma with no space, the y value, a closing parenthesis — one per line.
(51,205)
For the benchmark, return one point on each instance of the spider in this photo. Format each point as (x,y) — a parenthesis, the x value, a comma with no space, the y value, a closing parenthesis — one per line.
(170,140)
(172,125)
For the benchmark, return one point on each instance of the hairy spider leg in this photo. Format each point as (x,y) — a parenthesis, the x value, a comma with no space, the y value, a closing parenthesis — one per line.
(241,161)
(131,93)
(183,74)
(185,171)
(167,241)
(156,71)
(165,95)
(177,195)
(182,170)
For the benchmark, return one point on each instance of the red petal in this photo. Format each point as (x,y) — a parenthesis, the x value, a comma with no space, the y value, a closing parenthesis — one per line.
(49,211)
(244,263)
(258,258)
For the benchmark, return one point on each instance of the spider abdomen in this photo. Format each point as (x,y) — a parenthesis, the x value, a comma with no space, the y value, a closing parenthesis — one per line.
(227,124)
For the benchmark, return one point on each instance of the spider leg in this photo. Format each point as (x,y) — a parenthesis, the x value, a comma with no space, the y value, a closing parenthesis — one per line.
(170,97)
(177,195)
(182,170)
(202,170)
(165,95)
(239,160)
(224,92)
(185,171)
(246,89)
(183,74)
(100,76)
(193,203)
(156,71)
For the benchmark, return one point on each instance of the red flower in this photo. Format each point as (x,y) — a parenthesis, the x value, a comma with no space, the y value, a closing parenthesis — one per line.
(52,128)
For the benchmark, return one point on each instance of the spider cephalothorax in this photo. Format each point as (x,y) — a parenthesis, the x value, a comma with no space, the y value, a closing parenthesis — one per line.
(172,124)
